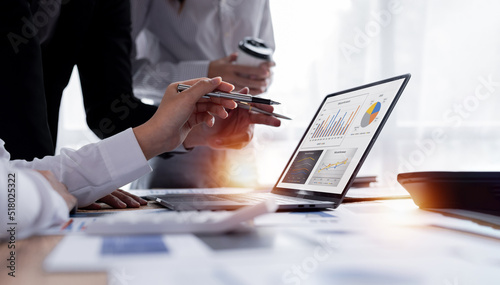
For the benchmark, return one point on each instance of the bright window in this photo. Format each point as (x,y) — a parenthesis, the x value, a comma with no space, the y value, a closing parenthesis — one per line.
(447,119)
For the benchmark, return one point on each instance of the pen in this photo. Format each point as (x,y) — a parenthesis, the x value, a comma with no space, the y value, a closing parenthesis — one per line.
(233,95)
(252,108)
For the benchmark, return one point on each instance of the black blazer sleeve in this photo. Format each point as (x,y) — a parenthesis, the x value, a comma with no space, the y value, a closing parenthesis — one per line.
(95,36)
(23,114)
(105,71)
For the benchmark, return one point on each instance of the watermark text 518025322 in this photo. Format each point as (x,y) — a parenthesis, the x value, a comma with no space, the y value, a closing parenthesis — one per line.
(11,223)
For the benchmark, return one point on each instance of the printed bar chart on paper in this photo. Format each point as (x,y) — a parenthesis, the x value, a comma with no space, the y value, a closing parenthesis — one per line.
(333,123)
(302,166)
(332,167)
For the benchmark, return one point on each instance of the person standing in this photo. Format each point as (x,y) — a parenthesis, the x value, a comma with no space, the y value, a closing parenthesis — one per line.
(176,40)
(41,41)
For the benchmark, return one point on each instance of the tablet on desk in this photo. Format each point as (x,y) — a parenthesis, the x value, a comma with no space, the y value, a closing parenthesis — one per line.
(478,191)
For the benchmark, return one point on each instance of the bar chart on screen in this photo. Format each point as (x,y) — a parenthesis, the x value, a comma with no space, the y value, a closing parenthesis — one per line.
(333,123)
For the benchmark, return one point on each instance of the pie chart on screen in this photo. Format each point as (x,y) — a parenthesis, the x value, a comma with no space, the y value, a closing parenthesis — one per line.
(370,114)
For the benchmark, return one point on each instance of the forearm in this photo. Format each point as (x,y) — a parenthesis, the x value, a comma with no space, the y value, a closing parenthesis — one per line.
(97,169)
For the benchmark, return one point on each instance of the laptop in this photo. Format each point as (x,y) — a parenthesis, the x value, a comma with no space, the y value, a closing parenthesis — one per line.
(327,158)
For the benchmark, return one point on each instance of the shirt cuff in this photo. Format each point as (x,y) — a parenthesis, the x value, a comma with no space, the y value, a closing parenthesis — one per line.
(124,158)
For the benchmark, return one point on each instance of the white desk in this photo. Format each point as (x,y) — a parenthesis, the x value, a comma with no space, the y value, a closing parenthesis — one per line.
(386,242)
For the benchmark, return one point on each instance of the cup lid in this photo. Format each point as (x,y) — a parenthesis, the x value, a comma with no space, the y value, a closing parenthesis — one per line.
(256,47)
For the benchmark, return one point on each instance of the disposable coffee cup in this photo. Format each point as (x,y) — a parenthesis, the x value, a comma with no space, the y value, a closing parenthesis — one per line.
(253,52)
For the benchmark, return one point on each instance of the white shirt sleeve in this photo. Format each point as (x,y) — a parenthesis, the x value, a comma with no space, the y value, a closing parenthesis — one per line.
(266,32)
(173,45)
(30,203)
(152,79)
(96,169)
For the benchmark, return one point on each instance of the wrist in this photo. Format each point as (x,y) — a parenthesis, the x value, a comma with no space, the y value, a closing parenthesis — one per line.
(152,142)
(194,138)
(211,69)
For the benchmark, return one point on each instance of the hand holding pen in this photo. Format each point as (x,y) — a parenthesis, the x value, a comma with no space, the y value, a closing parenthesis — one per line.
(249,107)
(242,99)
(232,95)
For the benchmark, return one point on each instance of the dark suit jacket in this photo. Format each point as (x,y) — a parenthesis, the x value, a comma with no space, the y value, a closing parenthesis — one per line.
(95,36)
(23,110)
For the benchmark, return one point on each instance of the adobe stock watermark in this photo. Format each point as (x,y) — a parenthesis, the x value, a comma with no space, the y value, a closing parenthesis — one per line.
(372,29)
(299,273)
(453,118)
(31,27)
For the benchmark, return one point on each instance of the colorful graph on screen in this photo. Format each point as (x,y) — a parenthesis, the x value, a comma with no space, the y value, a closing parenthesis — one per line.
(332,125)
(302,166)
(332,167)
(370,114)
(368,121)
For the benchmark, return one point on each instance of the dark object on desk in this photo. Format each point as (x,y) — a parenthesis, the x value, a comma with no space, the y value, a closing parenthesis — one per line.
(478,191)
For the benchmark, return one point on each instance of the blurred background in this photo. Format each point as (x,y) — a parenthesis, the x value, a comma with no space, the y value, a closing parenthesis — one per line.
(447,119)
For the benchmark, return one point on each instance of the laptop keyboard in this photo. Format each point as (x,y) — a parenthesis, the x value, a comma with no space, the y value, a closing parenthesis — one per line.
(259,197)
(249,198)
(174,198)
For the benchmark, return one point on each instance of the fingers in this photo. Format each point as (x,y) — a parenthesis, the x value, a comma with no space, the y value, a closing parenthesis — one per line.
(127,198)
(136,198)
(215,109)
(93,206)
(226,103)
(259,72)
(232,57)
(267,64)
(263,119)
(228,59)
(119,200)
(236,141)
(203,86)
(267,108)
(199,118)
(113,201)
(244,90)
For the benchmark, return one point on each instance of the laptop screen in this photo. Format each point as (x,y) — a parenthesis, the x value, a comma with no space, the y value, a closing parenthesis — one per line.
(340,136)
